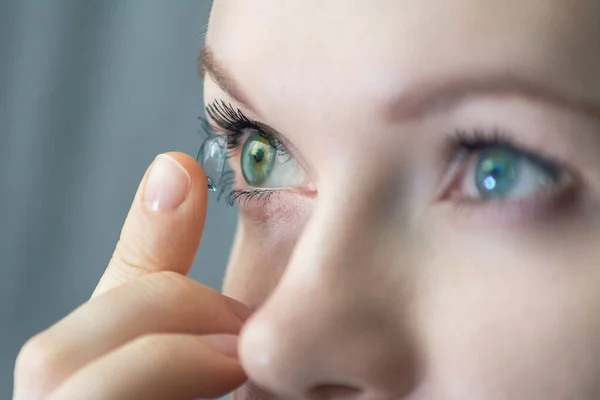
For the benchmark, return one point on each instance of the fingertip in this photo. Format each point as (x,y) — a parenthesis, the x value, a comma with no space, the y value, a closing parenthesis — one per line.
(164,226)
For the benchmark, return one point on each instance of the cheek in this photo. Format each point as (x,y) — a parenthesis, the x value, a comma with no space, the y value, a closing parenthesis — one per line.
(518,319)
(264,242)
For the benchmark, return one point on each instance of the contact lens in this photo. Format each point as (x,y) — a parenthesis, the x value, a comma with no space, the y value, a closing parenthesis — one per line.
(212,157)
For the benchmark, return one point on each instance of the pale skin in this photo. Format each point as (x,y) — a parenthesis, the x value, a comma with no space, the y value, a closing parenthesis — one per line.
(366,279)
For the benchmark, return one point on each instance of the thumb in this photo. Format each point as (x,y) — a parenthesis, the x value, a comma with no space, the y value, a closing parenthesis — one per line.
(163,228)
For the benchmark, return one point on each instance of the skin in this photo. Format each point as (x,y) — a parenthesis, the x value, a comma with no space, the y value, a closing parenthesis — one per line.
(373,286)
(373,278)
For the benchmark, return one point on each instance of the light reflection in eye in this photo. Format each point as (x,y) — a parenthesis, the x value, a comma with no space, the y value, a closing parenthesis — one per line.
(489,183)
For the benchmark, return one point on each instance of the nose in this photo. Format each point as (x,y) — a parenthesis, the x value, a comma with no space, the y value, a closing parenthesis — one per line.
(337,325)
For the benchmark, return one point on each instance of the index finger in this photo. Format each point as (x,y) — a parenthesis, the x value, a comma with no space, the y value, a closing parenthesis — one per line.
(164,226)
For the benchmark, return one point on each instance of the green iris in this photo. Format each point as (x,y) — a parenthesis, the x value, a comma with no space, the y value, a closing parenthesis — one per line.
(258,157)
(496,172)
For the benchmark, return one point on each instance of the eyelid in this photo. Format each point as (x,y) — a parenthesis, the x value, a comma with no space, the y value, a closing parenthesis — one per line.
(466,141)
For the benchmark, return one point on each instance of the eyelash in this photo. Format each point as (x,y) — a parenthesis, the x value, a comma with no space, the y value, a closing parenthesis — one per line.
(472,141)
(232,122)
(463,144)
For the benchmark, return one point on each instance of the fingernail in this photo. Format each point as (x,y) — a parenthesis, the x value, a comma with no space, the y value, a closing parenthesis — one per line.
(225,343)
(168,184)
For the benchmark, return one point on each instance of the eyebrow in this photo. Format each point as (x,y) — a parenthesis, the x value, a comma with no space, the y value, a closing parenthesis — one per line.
(429,98)
(443,95)
(208,65)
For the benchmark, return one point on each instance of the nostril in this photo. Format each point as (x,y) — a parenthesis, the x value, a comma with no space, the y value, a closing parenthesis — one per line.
(334,392)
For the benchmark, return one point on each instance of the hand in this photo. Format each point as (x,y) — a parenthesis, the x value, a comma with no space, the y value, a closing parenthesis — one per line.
(148,331)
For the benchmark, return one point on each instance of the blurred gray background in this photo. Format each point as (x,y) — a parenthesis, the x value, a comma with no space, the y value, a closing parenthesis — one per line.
(90,92)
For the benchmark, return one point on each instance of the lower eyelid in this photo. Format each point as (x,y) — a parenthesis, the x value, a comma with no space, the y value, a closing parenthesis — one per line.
(548,204)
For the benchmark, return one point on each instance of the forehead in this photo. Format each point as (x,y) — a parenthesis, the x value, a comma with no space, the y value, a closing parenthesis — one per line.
(336,49)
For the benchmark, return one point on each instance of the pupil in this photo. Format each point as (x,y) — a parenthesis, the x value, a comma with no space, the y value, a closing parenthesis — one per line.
(259,155)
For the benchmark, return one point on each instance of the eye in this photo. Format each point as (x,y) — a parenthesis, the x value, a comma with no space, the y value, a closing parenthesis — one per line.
(254,149)
(267,167)
(503,173)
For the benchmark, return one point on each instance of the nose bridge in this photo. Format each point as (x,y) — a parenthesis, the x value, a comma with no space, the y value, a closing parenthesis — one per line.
(330,328)
(341,233)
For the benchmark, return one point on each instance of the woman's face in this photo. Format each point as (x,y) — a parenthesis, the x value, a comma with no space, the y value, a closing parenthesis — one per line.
(419,188)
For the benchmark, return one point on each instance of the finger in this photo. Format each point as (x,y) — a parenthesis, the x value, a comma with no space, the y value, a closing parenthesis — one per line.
(224,343)
(163,302)
(163,228)
(156,367)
